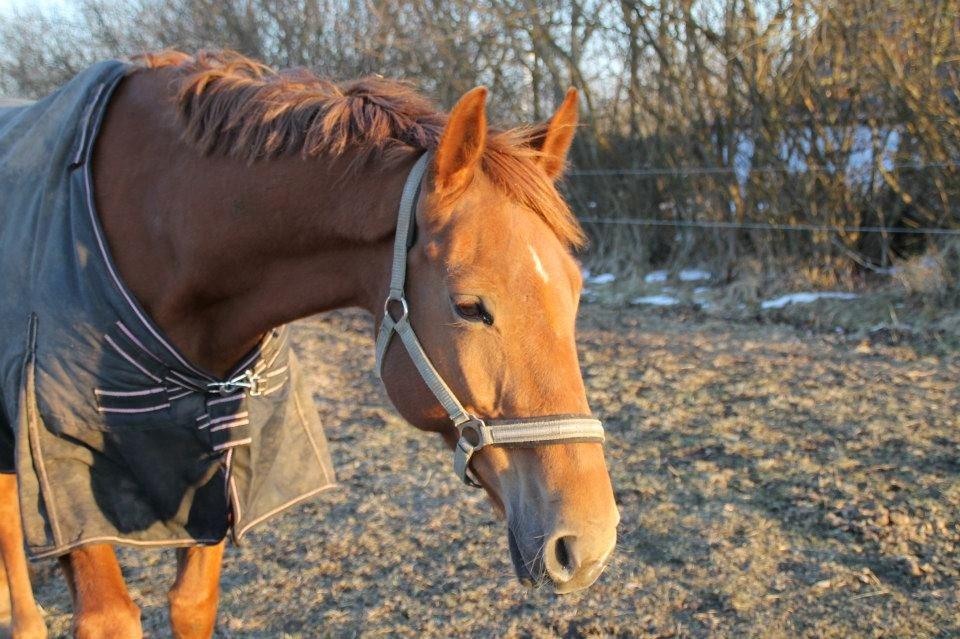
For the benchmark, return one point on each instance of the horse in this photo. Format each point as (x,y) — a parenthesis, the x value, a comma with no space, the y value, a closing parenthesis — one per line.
(234,199)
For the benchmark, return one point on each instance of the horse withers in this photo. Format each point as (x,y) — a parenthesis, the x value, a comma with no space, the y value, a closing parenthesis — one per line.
(204,201)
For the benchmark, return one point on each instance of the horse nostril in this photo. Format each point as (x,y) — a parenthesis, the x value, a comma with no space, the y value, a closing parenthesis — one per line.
(574,561)
(562,552)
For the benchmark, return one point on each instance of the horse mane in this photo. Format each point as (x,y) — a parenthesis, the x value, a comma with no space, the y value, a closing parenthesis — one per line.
(232,105)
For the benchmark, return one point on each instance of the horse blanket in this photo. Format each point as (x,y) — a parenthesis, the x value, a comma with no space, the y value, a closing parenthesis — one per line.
(115,437)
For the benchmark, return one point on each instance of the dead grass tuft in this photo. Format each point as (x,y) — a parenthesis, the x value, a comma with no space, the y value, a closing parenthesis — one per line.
(933,276)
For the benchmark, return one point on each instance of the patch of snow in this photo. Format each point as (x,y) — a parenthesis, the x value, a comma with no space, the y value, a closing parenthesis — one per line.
(603,278)
(655,277)
(700,297)
(694,275)
(805,298)
(655,300)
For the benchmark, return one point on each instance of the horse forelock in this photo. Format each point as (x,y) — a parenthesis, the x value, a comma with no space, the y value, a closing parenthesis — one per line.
(232,105)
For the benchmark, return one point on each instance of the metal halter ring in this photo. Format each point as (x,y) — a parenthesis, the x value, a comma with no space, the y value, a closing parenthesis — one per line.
(465,448)
(403,307)
(475,426)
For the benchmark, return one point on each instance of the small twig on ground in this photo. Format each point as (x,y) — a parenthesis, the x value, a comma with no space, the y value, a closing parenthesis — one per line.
(872,593)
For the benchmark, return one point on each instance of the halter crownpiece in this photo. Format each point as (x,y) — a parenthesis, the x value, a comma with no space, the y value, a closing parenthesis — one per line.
(475,433)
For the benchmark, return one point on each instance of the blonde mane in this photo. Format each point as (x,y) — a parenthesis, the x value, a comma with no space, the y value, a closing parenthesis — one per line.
(232,105)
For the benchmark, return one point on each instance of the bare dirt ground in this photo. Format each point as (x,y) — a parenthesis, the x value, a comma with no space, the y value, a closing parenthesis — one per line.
(772,483)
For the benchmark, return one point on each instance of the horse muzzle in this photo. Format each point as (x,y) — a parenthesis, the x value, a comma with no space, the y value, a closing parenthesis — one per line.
(569,562)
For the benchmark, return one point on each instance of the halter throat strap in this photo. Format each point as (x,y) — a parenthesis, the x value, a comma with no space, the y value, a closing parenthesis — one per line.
(474,432)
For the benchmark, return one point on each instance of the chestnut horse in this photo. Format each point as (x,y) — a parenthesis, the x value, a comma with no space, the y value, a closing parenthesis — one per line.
(301,179)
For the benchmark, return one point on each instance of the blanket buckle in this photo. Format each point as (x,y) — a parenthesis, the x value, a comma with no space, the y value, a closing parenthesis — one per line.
(248,380)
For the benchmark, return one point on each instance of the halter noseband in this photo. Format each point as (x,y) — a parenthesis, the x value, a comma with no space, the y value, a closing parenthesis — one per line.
(475,433)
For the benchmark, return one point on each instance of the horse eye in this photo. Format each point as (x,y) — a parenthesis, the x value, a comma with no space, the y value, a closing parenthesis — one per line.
(472,309)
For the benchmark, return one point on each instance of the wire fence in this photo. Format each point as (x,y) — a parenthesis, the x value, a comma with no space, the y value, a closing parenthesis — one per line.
(746,170)
(770,227)
(710,170)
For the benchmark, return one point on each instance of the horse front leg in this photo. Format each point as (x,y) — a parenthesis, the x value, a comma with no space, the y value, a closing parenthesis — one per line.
(196,592)
(27,620)
(102,608)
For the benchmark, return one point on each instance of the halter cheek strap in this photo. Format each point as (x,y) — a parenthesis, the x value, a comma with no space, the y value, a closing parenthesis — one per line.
(474,432)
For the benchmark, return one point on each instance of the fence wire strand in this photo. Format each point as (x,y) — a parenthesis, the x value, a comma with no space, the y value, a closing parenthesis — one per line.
(710,170)
(758,226)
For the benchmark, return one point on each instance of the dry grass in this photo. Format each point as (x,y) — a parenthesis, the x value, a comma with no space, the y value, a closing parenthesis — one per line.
(917,300)
(773,483)
(933,276)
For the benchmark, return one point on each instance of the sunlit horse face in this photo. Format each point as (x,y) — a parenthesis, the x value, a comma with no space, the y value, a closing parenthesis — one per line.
(493,295)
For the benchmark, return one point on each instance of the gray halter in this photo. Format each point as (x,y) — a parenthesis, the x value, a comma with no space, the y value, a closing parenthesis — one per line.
(475,433)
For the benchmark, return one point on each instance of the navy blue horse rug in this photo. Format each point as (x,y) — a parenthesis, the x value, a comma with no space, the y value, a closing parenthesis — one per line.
(115,437)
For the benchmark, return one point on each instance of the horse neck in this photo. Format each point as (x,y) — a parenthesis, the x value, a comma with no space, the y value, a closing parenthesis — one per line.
(219,251)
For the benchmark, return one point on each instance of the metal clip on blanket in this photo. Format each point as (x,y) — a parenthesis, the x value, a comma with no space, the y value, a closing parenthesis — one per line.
(248,379)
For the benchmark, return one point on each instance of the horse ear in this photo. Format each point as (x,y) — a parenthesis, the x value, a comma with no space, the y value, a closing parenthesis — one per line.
(555,141)
(463,141)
